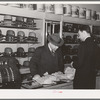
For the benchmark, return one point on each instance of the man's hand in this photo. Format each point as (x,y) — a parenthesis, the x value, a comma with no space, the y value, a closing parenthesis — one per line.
(71,64)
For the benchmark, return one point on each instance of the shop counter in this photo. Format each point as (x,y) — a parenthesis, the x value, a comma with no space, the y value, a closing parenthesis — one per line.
(60,85)
(68,85)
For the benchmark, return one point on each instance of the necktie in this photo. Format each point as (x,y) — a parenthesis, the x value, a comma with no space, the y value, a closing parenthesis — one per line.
(53,53)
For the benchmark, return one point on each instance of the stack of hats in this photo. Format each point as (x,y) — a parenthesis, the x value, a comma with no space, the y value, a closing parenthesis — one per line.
(19,21)
(10,36)
(20,36)
(8,51)
(31,51)
(30,23)
(75,39)
(7,20)
(75,28)
(20,52)
(67,27)
(32,37)
(26,64)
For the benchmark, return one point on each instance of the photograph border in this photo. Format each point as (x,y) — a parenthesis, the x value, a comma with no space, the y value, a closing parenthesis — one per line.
(50,94)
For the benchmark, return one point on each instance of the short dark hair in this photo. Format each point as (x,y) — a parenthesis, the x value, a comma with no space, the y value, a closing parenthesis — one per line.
(85,28)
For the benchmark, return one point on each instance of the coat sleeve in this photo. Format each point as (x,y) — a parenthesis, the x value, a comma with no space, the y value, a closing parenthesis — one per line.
(75,63)
(34,62)
(98,58)
(60,61)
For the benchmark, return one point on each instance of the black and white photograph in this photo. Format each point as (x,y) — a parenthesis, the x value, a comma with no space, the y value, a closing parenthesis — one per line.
(49,46)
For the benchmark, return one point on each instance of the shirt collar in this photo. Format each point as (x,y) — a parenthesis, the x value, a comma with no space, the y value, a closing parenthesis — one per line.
(49,47)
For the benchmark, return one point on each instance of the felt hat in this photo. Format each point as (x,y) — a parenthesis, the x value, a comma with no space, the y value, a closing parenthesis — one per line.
(55,39)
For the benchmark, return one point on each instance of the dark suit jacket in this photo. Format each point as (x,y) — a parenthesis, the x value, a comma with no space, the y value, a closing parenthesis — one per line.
(86,64)
(43,61)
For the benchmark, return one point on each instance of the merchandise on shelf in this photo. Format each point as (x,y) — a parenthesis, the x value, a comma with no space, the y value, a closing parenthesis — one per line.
(67,27)
(28,6)
(93,15)
(49,8)
(19,21)
(20,36)
(67,10)
(30,23)
(10,36)
(75,28)
(58,8)
(75,11)
(82,13)
(20,52)
(75,40)
(31,51)
(8,51)
(26,64)
(7,21)
(39,7)
(88,14)
(32,37)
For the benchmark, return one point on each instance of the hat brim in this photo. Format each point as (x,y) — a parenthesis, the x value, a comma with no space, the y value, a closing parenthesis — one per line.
(53,42)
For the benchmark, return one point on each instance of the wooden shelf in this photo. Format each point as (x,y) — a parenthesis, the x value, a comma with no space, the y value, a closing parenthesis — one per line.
(34,28)
(53,17)
(21,12)
(43,15)
(81,21)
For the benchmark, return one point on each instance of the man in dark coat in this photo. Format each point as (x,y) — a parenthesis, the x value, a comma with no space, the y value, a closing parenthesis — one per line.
(87,62)
(48,58)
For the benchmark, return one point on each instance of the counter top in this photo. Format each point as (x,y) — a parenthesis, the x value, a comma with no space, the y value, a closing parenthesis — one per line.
(59,85)
(66,85)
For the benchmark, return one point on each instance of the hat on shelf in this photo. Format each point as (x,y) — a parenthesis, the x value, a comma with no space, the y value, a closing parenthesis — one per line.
(8,51)
(19,22)
(26,64)
(55,39)
(32,36)
(20,52)
(19,19)
(10,35)
(31,51)
(7,20)
(20,36)
(7,17)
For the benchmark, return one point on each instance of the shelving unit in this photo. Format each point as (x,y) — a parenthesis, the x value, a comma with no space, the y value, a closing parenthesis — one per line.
(41,18)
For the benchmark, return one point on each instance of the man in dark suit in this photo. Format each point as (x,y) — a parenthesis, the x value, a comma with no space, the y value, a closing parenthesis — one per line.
(48,58)
(87,62)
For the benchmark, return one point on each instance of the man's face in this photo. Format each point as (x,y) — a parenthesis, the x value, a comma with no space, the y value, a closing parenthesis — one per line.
(80,35)
(53,47)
